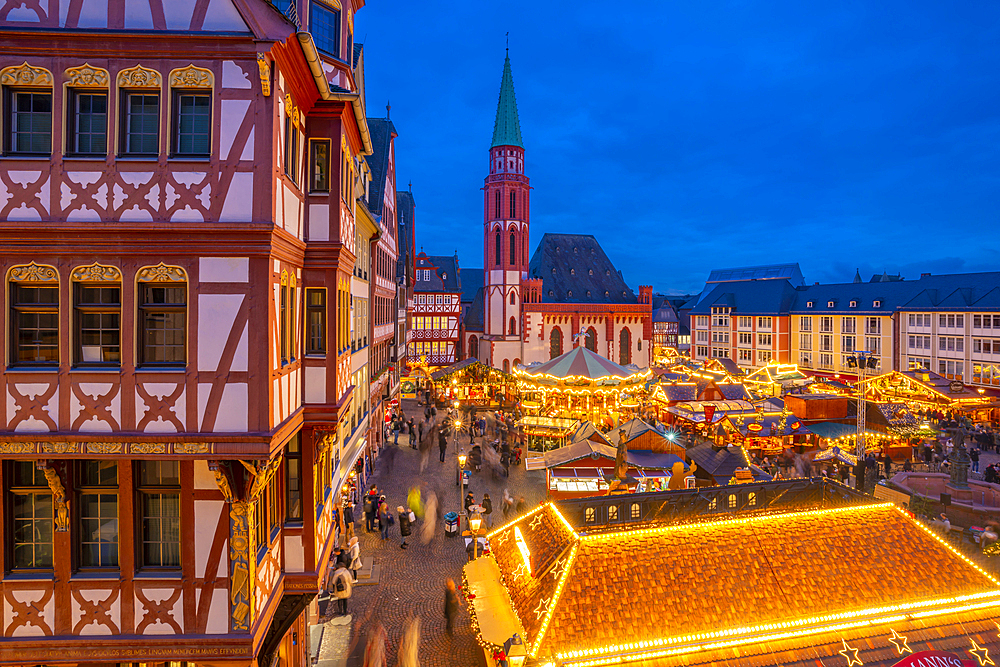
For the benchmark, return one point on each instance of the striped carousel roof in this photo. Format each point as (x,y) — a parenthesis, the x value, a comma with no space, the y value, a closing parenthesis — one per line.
(581,363)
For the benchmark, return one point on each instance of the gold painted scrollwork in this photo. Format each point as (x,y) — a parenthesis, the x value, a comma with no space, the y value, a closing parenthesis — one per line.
(265,75)
(96,273)
(162,273)
(241,566)
(33,273)
(59,500)
(17,448)
(289,107)
(291,280)
(192,448)
(191,77)
(60,447)
(147,448)
(25,75)
(139,77)
(86,76)
(222,480)
(284,278)
(104,448)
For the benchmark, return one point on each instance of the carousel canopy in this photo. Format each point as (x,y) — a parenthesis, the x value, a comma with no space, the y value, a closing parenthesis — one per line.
(581,363)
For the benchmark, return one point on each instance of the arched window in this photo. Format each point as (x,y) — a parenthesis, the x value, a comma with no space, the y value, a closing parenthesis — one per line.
(474,347)
(555,342)
(513,249)
(506,366)
(515,363)
(512,327)
(512,298)
(497,249)
(497,205)
(513,204)
(590,340)
(625,347)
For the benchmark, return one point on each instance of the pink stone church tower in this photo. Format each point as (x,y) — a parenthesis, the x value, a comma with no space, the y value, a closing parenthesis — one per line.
(505,234)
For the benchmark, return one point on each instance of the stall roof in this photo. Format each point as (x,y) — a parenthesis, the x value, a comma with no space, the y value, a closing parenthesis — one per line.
(694,411)
(819,560)
(549,423)
(581,363)
(793,426)
(836,454)
(462,365)
(834,430)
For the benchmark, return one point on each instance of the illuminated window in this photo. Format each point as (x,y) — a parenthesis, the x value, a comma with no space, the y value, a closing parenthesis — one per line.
(590,514)
(613,513)
(635,512)
(713,503)
(752,499)
(732,501)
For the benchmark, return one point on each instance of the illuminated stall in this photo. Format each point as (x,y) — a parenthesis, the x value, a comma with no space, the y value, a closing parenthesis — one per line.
(775,380)
(924,390)
(473,383)
(582,385)
(629,591)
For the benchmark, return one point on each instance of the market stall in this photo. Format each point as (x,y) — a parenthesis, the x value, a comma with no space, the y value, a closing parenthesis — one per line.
(473,383)
(544,434)
(775,380)
(582,385)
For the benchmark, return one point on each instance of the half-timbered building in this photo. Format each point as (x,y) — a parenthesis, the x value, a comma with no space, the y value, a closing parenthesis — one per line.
(436,305)
(178,192)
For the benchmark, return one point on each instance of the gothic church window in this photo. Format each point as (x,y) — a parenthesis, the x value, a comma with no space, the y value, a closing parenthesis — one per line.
(513,204)
(513,249)
(555,342)
(497,248)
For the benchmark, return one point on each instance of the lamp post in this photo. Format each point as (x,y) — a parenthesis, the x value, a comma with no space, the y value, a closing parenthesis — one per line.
(475,524)
(461,477)
(862,360)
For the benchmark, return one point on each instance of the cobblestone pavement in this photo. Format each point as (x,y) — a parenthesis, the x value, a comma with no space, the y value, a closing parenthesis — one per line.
(413,580)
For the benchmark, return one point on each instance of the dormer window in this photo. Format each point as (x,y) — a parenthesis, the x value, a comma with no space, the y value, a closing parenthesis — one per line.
(854,304)
(876,304)
(444,276)
(829,304)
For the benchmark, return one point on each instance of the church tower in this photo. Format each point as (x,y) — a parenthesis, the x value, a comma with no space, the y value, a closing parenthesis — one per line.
(505,228)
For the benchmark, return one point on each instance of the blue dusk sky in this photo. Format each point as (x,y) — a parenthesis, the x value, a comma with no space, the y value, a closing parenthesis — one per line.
(693,135)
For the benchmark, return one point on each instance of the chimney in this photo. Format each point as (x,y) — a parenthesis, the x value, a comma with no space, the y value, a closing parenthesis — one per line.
(925,275)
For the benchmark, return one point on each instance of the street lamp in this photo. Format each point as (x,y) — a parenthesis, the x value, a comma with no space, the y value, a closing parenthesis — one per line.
(461,477)
(475,523)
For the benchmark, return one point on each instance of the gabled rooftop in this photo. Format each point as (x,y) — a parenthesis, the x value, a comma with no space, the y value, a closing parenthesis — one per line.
(575,269)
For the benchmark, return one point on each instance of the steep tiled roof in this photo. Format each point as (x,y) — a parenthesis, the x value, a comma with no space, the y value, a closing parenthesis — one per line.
(507,127)
(720,463)
(790,272)
(574,268)
(472,282)
(405,208)
(445,276)
(664,595)
(382,132)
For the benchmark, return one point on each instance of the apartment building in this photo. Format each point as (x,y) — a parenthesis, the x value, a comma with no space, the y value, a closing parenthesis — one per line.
(744,320)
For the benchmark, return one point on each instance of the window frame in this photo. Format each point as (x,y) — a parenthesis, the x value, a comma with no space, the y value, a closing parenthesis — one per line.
(291,150)
(141,490)
(80,309)
(13,489)
(319,309)
(83,489)
(17,308)
(10,95)
(143,309)
(176,95)
(313,144)
(125,120)
(338,21)
(73,96)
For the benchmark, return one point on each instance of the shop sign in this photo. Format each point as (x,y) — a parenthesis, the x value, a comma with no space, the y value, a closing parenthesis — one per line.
(933,659)
(956,386)
(408,387)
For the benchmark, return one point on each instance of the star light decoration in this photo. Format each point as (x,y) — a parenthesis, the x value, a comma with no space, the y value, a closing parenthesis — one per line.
(982,654)
(558,568)
(850,653)
(536,522)
(519,571)
(543,608)
(899,641)
(500,539)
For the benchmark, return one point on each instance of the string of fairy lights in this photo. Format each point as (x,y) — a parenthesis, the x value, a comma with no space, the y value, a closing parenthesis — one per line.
(650,648)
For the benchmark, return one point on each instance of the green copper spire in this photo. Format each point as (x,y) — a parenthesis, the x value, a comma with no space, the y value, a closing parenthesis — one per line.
(507,128)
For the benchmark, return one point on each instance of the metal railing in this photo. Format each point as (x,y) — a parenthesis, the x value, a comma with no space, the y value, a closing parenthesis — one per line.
(710,501)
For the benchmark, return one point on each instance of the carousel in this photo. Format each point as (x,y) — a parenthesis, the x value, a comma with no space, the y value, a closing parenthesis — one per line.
(581,385)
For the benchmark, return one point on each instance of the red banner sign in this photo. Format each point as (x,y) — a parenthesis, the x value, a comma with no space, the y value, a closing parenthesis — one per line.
(934,659)
(709,413)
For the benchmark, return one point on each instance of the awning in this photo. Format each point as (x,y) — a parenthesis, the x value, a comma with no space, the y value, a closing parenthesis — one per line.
(834,430)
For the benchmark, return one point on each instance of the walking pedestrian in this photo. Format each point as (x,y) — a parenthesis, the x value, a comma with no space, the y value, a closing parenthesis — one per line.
(487,510)
(450,605)
(407,656)
(371,507)
(404,524)
(442,444)
(420,434)
(974,455)
(341,587)
(384,519)
(395,430)
(430,518)
(521,506)
(354,553)
(412,433)
(375,654)
(508,503)
(349,518)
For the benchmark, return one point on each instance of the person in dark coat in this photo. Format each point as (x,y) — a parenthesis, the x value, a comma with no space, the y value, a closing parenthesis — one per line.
(442,444)
(487,510)
(413,434)
(404,524)
(349,518)
(371,507)
(450,605)
(859,475)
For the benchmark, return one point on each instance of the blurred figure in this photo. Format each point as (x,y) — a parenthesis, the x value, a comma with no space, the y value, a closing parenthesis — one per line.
(450,605)
(375,655)
(409,644)
(430,519)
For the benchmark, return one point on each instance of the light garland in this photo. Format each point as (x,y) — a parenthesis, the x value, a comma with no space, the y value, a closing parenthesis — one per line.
(555,601)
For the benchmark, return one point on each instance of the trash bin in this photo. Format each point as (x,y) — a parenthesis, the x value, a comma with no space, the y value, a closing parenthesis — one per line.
(451,524)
